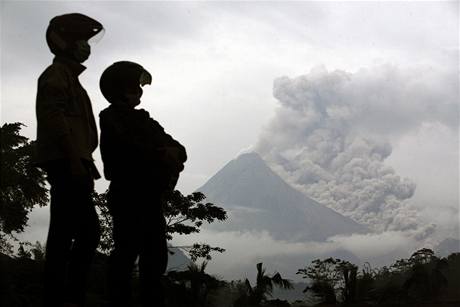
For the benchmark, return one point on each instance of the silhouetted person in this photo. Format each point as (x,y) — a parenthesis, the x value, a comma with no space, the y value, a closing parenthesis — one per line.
(66,138)
(143,164)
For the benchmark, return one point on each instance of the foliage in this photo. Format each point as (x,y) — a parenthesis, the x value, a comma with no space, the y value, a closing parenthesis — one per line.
(254,296)
(22,185)
(183,214)
(331,277)
(200,250)
(426,275)
(194,283)
(420,277)
(105,221)
(322,270)
(422,256)
(365,282)
(21,285)
(21,281)
(186,214)
(24,253)
(38,251)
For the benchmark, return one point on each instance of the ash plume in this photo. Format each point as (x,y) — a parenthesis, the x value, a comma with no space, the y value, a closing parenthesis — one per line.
(332,133)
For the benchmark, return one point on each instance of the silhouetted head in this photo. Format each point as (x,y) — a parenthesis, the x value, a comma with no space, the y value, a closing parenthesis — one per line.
(121,83)
(68,35)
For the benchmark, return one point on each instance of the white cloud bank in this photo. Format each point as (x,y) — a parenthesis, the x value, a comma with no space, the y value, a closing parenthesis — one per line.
(245,249)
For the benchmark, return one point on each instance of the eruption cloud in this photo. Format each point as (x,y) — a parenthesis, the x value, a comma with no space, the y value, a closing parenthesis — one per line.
(331,135)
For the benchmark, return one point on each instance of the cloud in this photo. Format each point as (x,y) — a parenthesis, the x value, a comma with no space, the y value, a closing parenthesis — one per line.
(245,249)
(38,223)
(332,133)
(372,246)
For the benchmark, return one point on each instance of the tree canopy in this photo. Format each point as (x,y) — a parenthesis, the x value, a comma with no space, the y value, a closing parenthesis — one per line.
(255,296)
(22,185)
(331,276)
(184,215)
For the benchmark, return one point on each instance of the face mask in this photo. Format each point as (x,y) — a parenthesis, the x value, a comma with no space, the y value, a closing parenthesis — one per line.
(82,51)
(133,98)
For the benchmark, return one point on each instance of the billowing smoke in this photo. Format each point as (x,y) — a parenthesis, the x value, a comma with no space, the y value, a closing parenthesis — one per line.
(332,132)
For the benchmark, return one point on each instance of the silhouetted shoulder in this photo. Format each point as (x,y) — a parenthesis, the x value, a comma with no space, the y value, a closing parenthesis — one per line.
(122,115)
(56,74)
(143,113)
(105,112)
(152,122)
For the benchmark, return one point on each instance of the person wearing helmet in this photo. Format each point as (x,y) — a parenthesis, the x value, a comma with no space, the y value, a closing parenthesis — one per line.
(143,163)
(66,139)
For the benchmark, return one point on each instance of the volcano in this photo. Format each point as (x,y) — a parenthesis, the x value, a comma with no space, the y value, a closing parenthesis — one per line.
(257,199)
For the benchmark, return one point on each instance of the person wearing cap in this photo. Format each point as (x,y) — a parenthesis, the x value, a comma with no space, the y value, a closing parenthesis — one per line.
(66,139)
(143,163)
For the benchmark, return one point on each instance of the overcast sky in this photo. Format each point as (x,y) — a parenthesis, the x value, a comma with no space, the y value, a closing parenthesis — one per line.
(214,66)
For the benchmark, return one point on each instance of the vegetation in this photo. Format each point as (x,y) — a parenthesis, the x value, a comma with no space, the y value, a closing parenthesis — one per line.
(22,185)
(191,287)
(257,295)
(183,214)
(331,277)
(421,280)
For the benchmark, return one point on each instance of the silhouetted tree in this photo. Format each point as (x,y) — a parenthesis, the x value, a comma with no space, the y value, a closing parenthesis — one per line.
(331,277)
(426,277)
(105,222)
(453,276)
(22,185)
(421,277)
(254,296)
(196,283)
(349,273)
(422,256)
(23,253)
(184,215)
(365,282)
(38,251)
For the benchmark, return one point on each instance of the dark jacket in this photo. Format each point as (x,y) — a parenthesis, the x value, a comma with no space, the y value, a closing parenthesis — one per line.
(132,147)
(65,120)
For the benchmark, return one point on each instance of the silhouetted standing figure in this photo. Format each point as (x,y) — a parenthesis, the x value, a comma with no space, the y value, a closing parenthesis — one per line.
(143,164)
(66,138)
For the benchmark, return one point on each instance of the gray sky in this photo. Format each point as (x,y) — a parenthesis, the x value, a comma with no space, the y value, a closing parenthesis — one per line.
(214,66)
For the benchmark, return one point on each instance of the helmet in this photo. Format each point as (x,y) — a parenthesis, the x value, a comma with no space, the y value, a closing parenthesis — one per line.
(64,30)
(120,76)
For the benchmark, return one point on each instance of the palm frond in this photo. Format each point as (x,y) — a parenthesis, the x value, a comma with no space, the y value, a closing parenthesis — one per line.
(281,282)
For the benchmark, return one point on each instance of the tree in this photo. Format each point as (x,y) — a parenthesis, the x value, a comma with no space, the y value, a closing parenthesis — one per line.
(186,214)
(365,282)
(23,253)
(105,220)
(22,184)
(183,214)
(331,277)
(422,256)
(421,277)
(426,277)
(254,296)
(195,283)
(38,251)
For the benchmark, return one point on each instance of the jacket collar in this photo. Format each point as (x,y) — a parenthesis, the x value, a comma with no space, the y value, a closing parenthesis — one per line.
(120,106)
(74,66)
